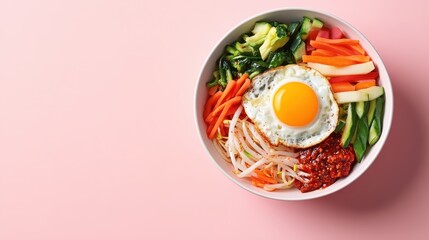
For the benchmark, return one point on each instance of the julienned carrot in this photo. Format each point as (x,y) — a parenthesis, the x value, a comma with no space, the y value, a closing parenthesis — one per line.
(354,78)
(229,87)
(333,61)
(357,48)
(256,182)
(208,108)
(341,41)
(238,84)
(365,84)
(323,52)
(342,87)
(358,58)
(341,50)
(213,90)
(214,125)
(218,110)
(244,87)
(262,176)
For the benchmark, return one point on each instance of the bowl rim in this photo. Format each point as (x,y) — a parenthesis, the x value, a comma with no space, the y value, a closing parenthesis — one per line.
(387,122)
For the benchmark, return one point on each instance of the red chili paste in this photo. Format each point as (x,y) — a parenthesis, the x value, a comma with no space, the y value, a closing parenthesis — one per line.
(325,162)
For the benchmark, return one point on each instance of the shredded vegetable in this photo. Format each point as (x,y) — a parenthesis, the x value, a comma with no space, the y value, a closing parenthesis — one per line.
(269,167)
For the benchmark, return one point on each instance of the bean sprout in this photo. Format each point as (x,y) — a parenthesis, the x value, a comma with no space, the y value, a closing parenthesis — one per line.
(248,151)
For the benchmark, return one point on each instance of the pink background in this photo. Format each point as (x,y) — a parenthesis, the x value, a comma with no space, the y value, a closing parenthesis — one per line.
(97,136)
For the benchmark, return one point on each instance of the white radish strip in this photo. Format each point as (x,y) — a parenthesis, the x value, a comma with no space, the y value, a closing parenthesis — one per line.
(250,140)
(251,168)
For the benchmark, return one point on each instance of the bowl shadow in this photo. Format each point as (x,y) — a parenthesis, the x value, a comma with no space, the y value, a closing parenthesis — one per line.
(397,165)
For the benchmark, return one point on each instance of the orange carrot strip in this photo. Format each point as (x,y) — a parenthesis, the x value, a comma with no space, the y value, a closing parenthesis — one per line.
(323,53)
(218,110)
(215,124)
(333,61)
(341,41)
(229,87)
(340,50)
(357,48)
(342,87)
(210,103)
(256,182)
(358,58)
(213,90)
(238,84)
(244,87)
(364,84)
(262,176)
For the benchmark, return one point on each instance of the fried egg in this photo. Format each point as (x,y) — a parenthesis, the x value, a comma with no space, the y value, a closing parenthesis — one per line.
(292,105)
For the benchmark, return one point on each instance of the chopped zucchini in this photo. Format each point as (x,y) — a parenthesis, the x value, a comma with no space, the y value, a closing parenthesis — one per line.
(317,23)
(299,51)
(305,27)
(294,28)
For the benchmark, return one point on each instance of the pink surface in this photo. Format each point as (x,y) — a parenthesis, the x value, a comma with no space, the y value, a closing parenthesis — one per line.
(97,137)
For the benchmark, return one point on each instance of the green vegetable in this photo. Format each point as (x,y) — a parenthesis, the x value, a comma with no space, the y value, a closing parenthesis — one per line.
(276,38)
(340,125)
(260,31)
(317,23)
(361,138)
(362,108)
(298,50)
(224,71)
(371,111)
(350,126)
(305,27)
(277,59)
(376,127)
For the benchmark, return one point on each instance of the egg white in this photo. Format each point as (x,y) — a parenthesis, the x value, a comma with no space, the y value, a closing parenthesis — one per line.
(257,103)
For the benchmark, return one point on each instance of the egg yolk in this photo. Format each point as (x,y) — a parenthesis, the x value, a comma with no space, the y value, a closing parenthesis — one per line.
(295,104)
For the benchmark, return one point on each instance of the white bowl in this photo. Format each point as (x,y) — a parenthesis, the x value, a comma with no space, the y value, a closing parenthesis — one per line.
(286,16)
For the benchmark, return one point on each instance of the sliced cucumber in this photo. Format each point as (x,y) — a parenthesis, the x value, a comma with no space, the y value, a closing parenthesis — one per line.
(371,111)
(294,28)
(305,27)
(350,126)
(375,129)
(299,51)
(317,23)
(374,92)
(362,108)
(352,96)
(361,138)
